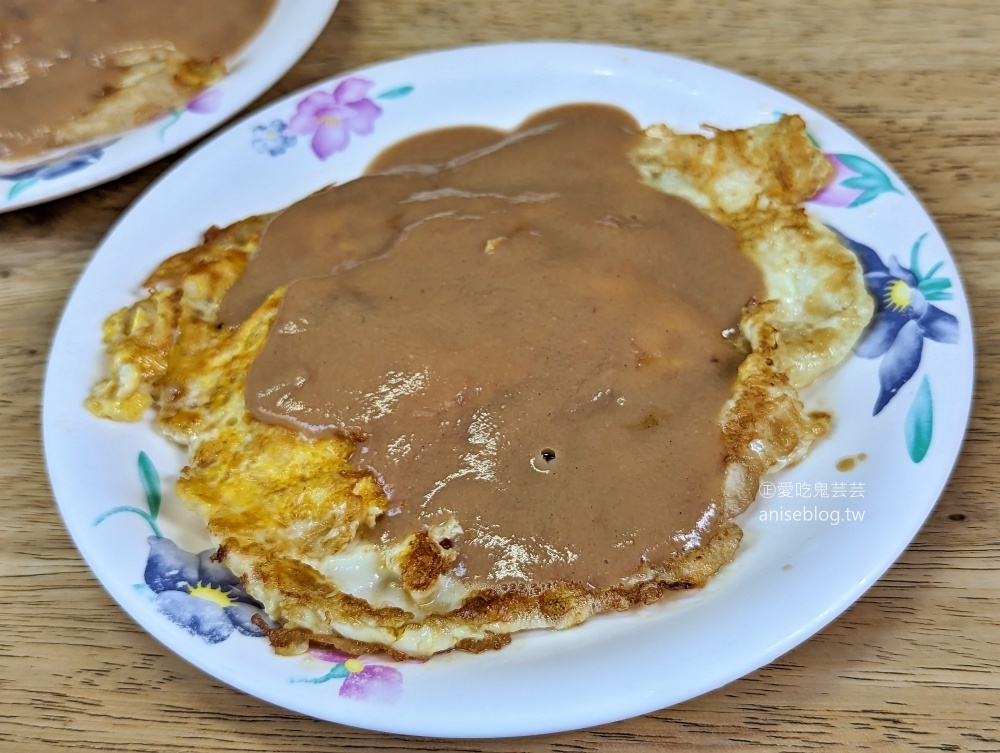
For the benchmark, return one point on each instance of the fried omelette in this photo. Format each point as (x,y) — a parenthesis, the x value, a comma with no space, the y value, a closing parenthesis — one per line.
(287,512)
(74,72)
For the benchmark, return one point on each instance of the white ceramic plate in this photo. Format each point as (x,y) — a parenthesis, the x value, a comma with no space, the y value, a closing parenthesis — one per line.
(805,557)
(288,33)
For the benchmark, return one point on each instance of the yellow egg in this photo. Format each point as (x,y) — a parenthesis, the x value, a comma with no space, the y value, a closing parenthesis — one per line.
(285,511)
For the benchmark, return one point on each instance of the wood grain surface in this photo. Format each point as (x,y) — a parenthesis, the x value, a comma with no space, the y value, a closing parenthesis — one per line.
(914,663)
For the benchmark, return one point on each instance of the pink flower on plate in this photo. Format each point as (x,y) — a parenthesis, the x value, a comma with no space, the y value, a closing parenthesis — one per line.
(331,117)
(206,102)
(377,683)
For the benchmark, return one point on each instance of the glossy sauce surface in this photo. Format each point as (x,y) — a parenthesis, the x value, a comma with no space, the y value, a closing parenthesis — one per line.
(519,334)
(57,57)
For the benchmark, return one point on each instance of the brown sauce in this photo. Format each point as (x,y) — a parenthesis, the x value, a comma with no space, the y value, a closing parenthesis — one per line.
(848,463)
(518,333)
(57,57)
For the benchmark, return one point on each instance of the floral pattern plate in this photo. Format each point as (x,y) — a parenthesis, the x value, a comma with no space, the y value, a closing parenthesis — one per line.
(818,536)
(285,37)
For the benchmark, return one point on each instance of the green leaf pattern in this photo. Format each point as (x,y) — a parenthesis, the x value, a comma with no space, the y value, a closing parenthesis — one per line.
(919,427)
(870,179)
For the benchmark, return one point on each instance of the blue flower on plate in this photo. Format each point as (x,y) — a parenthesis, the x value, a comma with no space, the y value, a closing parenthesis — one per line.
(904,316)
(24,179)
(199,595)
(58,169)
(272,138)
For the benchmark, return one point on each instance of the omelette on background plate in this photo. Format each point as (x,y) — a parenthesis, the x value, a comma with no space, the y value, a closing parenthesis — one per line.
(73,72)
(347,523)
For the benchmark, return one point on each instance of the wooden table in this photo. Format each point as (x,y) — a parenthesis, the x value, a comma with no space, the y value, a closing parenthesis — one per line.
(914,662)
